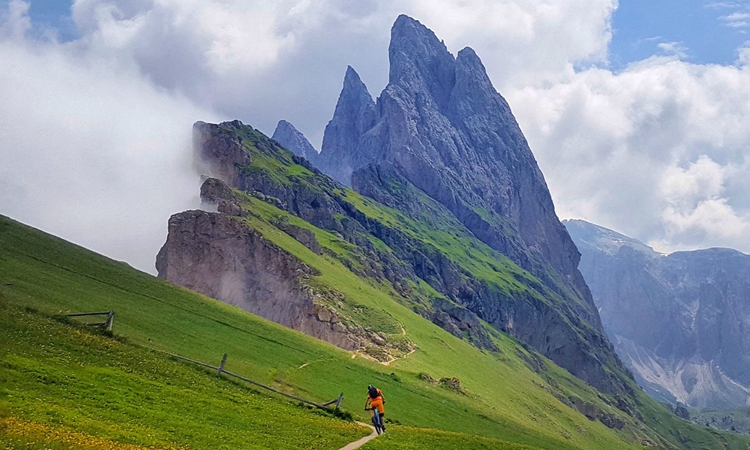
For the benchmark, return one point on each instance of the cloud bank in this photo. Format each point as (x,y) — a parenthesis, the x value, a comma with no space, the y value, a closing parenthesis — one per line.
(91,151)
(659,151)
(94,133)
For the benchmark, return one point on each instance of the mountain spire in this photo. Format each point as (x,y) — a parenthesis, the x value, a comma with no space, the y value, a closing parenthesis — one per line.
(291,139)
(354,115)
(441,126)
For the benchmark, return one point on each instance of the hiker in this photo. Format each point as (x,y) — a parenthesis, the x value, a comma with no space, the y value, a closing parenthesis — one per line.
(375,399)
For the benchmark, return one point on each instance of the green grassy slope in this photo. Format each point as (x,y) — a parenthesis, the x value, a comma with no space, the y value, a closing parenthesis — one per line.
(671,430)
(503,399)
(436,231)
(92,390)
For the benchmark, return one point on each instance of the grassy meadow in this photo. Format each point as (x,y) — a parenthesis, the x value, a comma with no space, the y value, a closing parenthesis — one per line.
(61,380)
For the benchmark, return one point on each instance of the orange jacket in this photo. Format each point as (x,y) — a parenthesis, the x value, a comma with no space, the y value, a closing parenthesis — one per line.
(369,399)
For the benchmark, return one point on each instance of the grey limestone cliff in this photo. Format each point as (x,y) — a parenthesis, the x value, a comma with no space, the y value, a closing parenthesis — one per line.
(678,320)
(294,141)
(354,115)
(217,255)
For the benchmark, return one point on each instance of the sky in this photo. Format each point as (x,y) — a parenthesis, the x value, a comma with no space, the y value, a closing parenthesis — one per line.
(637,111)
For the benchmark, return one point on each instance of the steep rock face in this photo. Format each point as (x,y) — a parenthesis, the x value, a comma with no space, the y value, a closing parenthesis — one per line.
(224,156)
(218,256)
(440,125)
(677,320)
(294,141)
(354,115)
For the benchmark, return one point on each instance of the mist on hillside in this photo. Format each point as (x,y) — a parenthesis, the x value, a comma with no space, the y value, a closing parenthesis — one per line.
(93,153)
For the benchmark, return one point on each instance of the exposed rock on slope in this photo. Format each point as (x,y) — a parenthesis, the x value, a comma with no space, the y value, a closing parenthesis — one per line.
(226,154)
(219,256)
(678,320)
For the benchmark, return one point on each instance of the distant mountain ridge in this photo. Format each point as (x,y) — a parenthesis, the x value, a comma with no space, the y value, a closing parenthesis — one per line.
(678,320)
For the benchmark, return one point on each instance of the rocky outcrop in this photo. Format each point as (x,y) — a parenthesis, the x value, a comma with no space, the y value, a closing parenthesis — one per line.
(593,413)
(224,157)
(303,235)
(294,141)
(460,322)
(217,255)
(678,321)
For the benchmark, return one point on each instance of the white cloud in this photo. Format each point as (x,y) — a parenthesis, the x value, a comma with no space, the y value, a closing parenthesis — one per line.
(658,151)
(722,5)
(253,60)
(685,187)
(736,20)
(91,152)
(673,48)
(15,20)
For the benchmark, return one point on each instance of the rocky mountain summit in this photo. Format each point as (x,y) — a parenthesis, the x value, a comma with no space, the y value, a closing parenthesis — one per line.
(679,321)
(441,127)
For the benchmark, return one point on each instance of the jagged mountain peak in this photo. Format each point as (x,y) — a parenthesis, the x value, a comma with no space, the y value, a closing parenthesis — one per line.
(353,89)
(292,139)
(473,82)
(441,127)
(419,60)
(354,115)
(410,37)
(352,81)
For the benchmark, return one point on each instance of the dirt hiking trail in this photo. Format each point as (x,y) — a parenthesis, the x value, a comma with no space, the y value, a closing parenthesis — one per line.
(363,441)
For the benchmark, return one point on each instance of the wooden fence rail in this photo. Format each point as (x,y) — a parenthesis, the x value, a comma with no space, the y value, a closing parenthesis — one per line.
(106,324)
(220,370)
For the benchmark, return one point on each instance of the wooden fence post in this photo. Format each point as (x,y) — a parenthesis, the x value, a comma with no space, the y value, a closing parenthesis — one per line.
(338,402)
(223,361)
(110,320)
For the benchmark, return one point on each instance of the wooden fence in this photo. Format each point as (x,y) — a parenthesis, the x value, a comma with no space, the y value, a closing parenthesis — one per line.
(221,371)
(106,324)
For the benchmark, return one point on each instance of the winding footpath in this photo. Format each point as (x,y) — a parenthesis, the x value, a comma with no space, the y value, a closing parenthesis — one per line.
(363,441)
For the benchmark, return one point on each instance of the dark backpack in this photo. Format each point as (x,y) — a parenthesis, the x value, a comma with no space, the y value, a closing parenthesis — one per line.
(373,393)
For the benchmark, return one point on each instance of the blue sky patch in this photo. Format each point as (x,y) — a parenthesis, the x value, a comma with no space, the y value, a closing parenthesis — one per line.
(698,31)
